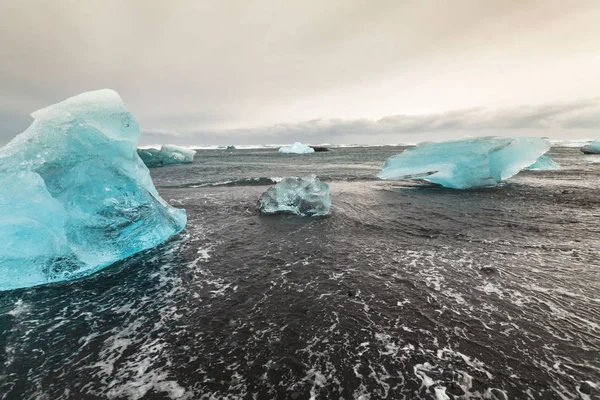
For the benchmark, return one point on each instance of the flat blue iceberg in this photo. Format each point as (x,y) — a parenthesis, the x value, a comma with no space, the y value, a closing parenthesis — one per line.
(306,197)
(592,148)
(467,163)
(167,155)
(544,163)
(297,148)
(74,195)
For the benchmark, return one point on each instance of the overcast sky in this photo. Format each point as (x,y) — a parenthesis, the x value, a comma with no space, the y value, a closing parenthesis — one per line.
(348,71)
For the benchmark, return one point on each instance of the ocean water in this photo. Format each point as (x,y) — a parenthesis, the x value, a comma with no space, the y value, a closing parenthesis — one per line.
(406,291)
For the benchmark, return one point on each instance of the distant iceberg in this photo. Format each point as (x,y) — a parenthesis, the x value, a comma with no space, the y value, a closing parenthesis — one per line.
(467,163)
(544,163)
(306,196)
(592,148)
(74,195)
(297,148)
(167,155)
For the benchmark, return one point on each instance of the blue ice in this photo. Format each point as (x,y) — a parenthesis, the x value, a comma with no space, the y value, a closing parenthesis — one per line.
(466,163)
(305,196)
(592,148)
(74,195)
(544,163)
(297,148)
(167,155)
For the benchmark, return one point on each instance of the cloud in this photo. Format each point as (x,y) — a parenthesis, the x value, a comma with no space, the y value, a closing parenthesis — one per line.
(196,66)
(541,119)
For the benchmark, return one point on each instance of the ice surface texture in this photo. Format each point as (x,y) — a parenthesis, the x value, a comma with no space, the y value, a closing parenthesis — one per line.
(75,196)
(167,155)
(467,163)
(297,148)
(302,196)
(544,163)
(592,148)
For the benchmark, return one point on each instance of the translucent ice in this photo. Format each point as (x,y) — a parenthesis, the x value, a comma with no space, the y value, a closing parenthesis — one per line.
(544,163)
(466,163)
(167,155)
(592,148)
(302,196)
(297,148)
(75,196)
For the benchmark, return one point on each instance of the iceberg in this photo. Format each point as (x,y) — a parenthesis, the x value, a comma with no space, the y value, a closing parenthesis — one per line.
(466,163)
(544,163)
(592,148)
(306,197)
(74,195)
(297,148)
(167,155)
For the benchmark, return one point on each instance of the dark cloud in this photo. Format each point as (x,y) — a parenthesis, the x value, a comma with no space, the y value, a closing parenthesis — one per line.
(211,66)
(563,118)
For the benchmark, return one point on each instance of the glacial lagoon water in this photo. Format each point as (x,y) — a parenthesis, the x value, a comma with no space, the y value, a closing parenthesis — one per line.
(404,291)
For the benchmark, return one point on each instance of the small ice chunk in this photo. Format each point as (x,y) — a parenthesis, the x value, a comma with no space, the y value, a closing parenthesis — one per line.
(467,163)
(297,148)
(167,155)
(592,148)
(302,196)
(544,163)
(74,195)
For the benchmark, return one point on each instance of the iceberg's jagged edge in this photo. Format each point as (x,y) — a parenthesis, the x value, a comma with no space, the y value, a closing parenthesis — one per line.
(306,196)
(544,163)
(75,197)
(465,163)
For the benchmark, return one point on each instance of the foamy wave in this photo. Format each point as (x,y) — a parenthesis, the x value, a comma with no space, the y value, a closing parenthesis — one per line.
(570,143)
(262,180)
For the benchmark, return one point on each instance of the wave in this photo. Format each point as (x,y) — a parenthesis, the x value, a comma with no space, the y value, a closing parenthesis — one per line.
(570,143)
(263,181)
(257,181)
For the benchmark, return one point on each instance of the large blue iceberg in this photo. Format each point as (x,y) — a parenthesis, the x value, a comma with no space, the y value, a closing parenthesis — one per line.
(592,148)
(167,155)
(74,195)
(297,148)
(306,196)
(544,163)
(467,163)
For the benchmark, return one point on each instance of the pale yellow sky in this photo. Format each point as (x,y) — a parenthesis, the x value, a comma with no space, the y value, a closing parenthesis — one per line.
(206,66)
